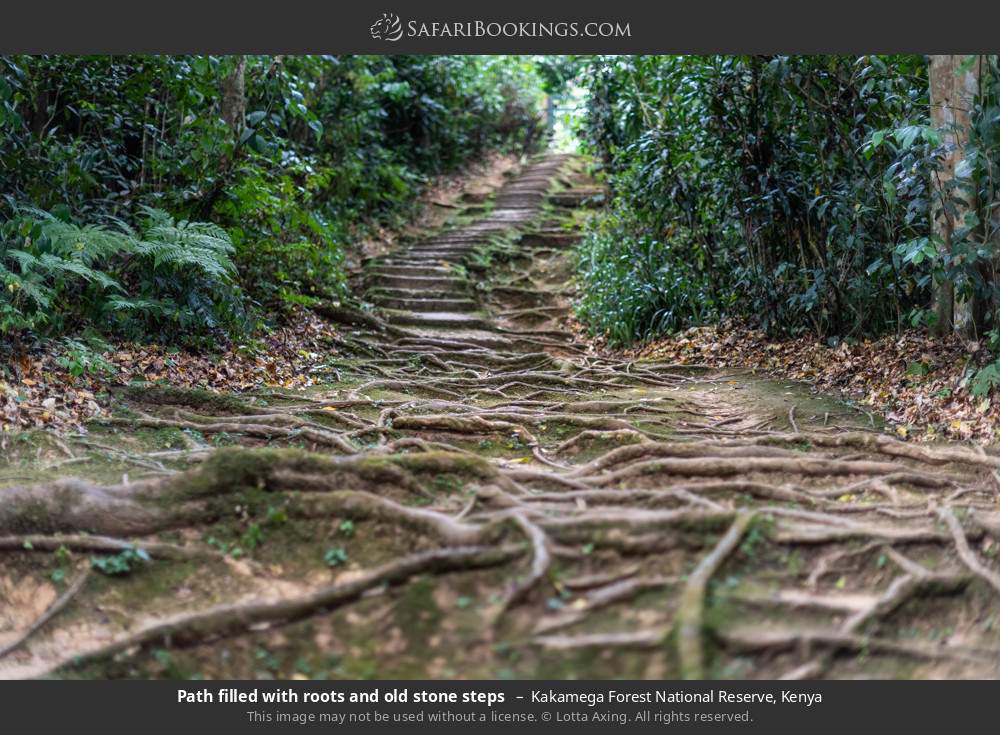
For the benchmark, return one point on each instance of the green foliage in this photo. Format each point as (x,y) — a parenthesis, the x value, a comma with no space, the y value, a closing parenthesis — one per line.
(321,148)
(985,380)
(648,287)
(276,516)
(84,357)
(557,72)
(122,563)
(966,201)
(172,279)
(252,537)
(335,556)
(749,187)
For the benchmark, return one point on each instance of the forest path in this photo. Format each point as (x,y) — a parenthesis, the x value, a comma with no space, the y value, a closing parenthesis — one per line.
(477,494)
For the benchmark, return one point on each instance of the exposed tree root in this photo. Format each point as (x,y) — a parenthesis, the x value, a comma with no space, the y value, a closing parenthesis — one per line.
(641,640)
(259,430)
(365,506)
(610,594)
(103,544)
(60,604)
(772,641)
(511,445)
(541,560)
(227,620)
(965,552)
(688,621)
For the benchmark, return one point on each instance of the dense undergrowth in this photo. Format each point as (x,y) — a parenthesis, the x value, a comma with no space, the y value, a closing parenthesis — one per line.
(792,192)
(189,199)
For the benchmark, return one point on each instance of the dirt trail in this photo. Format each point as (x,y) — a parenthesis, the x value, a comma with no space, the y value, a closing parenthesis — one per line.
(476,494)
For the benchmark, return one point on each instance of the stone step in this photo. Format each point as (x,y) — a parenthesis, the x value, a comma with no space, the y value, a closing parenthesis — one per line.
(578,198)
(495,230)
(444,247)
(433,257)
(459,340)
(449,259)
(457,320)
(458,241)
(410,270)
(390,292)
(516,213)
(425,253)
(420,304)
(556,239)
(418,283)
(419,260)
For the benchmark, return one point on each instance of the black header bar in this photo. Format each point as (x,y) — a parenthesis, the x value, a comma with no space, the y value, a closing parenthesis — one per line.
(510,26)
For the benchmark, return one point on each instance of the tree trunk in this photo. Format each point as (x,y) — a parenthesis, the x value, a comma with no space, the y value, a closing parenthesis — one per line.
(233,108)
(952,95)
(234,104)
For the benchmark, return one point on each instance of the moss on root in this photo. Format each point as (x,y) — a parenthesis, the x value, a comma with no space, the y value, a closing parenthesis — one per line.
(197,398)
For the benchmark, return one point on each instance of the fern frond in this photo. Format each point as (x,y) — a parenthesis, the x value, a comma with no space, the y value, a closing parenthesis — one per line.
(25,259)
(160,278)
(88,244)
(55,264)
(35,292)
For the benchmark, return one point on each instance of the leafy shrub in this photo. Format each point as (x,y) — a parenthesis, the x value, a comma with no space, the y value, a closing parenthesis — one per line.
(166,278)
(964,202)
(757,173)
(634,285)
(84,357)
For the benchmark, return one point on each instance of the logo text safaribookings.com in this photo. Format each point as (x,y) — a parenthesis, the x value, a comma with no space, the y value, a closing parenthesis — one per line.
(390,28)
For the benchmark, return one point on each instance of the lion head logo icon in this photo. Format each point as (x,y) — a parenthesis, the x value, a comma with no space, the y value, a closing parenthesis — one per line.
(387,28)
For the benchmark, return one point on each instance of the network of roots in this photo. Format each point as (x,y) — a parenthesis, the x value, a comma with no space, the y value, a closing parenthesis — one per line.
(474,492)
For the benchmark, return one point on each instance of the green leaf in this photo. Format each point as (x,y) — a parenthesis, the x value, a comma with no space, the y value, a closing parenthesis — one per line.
(254,118)
(906,136)
(335,556)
